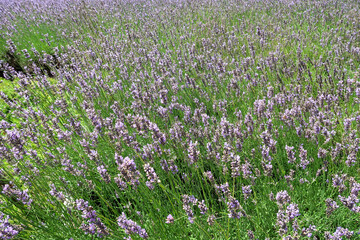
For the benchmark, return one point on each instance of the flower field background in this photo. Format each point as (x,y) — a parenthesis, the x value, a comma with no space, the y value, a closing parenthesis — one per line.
(204,119)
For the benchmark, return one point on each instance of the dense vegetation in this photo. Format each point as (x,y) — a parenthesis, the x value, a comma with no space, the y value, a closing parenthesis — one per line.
(174,119)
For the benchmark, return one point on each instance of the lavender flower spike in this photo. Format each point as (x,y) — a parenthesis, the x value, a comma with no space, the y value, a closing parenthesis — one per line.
(130,226)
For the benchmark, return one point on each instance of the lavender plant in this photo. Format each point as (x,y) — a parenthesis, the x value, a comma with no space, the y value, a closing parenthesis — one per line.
(176,119)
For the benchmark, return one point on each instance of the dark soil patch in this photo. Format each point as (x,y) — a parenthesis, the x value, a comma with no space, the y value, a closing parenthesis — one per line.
(11,61)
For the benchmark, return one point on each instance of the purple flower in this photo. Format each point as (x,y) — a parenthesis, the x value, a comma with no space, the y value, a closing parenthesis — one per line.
(290,154)
(303,157)
(233,208)
(246,170)
(151,175)
(170,219)
(104,174)
(338,182)
(282,197)
(202,207)
(92,224)
(130,226)
(341,232)
(235,166)
(331,206)
(193,152)
(246,190)
(23,196)
(128,173)
(211,220)
(7,230)
(188,202)
(209,176)
(54,192)
(292,211)
(322,153)
(307,232)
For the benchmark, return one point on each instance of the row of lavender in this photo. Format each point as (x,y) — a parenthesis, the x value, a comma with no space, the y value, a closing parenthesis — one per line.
(200,119)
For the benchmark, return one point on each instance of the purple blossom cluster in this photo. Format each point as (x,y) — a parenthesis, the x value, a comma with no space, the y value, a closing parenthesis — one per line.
(93,223)
(170,219)
(287,216)
(246,190)
(339,234)
(151,175)
(130,226)
(104,174)
(188,202)
(128,173)
(234,208)
(353,199)
(169,166)
(20,195)
(331,206)
(54,192)
(7,230)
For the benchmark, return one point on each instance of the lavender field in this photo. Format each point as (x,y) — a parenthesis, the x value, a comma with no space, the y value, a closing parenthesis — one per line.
(179,119)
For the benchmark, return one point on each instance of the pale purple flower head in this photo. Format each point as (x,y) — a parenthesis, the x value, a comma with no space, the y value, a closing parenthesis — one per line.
(170,219)
(130,226)
(283,197)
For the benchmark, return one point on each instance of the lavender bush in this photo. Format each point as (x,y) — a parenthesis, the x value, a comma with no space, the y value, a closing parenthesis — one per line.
(174,119)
